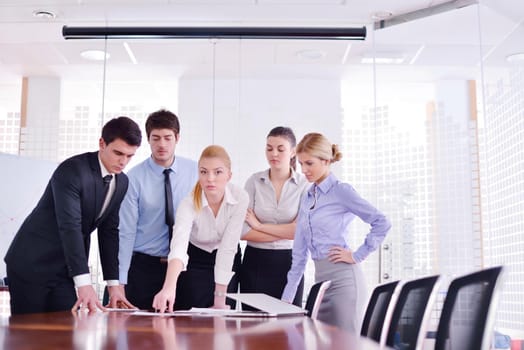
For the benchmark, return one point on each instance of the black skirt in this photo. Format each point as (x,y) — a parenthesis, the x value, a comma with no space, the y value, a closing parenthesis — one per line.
(196,285)
(265,271)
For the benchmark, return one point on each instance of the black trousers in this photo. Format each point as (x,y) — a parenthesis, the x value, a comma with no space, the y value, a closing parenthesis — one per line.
(28,296)
(196,285)
(265,271)
(145,278)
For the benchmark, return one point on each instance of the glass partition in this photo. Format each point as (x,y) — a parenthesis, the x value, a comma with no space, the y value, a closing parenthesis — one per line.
(230,92)
(501,155)
(10,115)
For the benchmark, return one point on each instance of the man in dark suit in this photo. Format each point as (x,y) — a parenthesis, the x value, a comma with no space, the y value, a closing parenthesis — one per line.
(48,257)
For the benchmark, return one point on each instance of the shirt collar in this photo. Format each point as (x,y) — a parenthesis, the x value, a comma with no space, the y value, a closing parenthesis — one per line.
(103,169)
(160,169)
(325,185)
(294,176)
(228,197)
(265,176)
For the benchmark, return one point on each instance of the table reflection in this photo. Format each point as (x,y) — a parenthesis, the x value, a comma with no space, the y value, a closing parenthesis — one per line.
(123,330)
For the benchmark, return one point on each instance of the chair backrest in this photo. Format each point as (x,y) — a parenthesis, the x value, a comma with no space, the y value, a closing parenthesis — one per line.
(405,323)
(467,314)
(378,304)
(314,298)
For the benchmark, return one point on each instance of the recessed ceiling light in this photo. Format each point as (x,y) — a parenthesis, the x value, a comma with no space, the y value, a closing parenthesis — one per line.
(130,53)
(44,14)
(95,55)
(516,58)
(383,58)
(380,15)
(311,54)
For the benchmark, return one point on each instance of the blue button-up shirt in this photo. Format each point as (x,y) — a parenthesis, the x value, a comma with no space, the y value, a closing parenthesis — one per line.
(142,213)
(326,210)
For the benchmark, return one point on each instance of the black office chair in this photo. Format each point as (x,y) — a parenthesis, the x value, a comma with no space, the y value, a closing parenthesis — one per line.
(467,314)
(405,323)
(376,310)
(314,298)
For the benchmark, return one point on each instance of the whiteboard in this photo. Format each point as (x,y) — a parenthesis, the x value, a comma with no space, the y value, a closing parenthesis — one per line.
(22,183)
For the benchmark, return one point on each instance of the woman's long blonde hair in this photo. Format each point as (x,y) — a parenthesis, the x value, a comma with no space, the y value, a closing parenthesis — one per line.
(212,151)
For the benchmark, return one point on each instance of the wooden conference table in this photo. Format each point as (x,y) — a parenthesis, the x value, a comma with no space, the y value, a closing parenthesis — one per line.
(121,330)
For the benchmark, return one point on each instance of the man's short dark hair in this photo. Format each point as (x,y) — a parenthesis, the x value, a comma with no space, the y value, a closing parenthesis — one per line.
(162,119)
(122,128)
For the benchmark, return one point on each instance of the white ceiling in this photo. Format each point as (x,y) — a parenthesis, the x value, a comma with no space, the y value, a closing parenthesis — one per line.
(34,46)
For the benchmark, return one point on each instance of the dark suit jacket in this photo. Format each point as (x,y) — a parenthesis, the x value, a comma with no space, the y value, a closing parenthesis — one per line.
(54,239)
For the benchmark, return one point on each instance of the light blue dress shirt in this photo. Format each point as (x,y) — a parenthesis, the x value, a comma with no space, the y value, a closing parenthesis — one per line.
(326,210)
(142,212)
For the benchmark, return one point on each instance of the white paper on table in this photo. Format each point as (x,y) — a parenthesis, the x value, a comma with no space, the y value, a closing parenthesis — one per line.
(152,313)
(115,309)
(210,311)
(196,311)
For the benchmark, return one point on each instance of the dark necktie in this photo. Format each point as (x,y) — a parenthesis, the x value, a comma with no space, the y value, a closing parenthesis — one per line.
(107,180)
(169,203)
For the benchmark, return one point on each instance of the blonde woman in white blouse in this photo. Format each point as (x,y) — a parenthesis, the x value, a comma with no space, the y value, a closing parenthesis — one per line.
(205,239)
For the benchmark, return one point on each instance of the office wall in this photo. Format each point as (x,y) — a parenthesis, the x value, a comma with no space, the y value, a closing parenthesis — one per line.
(23,181)
(241,116)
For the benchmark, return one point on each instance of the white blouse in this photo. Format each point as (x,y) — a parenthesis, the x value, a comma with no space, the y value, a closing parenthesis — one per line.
(208,232)
(263,201)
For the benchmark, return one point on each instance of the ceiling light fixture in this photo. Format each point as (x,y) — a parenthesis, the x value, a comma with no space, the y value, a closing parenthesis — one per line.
(314,33)
(346,54)
(311,54)
(44,14)
(515,58)
(417,54)
(381,15)
(95,55)
(130,53)
(449,5)
(383,59)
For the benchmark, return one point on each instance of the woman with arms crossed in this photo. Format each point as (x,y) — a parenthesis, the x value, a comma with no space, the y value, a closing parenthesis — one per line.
(274,196)
(322,231)
(210,222)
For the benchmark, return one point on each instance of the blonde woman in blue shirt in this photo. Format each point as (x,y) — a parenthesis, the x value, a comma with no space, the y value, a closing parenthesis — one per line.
(274,197)
(326,212)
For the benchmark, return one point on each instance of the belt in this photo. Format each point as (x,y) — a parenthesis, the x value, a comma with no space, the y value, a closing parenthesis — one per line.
(142,256)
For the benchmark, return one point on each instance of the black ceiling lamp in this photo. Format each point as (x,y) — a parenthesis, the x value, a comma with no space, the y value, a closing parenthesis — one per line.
(309,33)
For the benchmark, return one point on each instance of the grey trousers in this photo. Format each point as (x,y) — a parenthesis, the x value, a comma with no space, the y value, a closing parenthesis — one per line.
(345,300)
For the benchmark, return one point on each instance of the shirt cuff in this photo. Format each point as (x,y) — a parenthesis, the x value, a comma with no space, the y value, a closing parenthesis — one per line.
(183,258)
(358,255)
(82,280)
(288,295)
(111,283)
(223,277)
